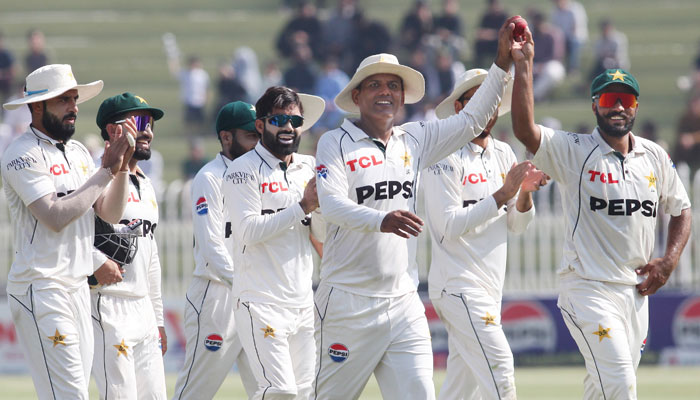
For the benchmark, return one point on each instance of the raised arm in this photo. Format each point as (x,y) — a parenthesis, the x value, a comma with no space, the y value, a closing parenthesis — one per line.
(523,104)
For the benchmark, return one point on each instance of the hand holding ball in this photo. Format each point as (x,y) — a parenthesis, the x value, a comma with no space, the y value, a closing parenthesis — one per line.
(519,30)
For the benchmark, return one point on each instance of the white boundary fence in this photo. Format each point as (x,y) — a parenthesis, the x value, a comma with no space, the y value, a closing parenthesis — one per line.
(532,257)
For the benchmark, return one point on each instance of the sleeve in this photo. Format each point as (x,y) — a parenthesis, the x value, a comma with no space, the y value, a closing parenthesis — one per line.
(154,285)
(28,175)
(332,185)
(445,210)
(318,226)
(208,225)
(556,153)
(674,197)
(245,204)
(445,136)
(98,258)
(517,221)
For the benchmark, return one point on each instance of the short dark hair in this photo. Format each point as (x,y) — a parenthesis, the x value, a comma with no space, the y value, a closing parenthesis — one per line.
(277,97)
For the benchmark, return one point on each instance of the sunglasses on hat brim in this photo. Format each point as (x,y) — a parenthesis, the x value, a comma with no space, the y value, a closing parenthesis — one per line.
(609,99)
(281,120)
(142,122)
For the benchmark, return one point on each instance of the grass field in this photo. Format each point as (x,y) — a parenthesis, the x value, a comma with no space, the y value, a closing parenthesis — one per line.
(654,383)
(120,43)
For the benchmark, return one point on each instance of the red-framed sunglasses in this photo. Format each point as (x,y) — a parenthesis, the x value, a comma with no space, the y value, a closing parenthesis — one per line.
(609,99)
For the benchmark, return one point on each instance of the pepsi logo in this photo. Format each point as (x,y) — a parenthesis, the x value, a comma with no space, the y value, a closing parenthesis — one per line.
(322,171)
(686,324)
(202,207)
(528,326)
(213,342)
(338,352)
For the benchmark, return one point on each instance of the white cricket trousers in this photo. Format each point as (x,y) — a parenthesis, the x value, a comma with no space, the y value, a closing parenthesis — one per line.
(359,335)
(609,322)
(279,343)
(212,343)
(480,362)
(53,327)
(128,361)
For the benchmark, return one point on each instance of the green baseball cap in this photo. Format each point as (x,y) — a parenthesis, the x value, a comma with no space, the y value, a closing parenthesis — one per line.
(236,115)
(121,104)
(614,75)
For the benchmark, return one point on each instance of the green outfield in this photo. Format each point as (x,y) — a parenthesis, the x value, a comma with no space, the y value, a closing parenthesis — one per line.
(677,383)
(120,43)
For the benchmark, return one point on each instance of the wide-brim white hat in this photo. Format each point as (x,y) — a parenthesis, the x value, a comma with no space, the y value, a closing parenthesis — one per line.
(51,81)
(466,81)
(413,81)
(313,110)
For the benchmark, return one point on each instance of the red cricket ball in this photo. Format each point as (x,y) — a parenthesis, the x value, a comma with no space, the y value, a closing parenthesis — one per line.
(520,25)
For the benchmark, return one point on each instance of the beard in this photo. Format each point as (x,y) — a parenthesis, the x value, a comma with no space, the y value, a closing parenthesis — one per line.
(56,128)
(142,154)
(613,130)
(270,141)
(236,150)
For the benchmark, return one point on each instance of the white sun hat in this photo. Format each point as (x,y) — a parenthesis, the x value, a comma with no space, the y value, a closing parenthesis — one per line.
(413,81)
(313,110)
(51,81)
(466,81)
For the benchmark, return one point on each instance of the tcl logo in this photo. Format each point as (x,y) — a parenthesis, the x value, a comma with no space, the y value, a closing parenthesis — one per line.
(363,162)
(474,178)
(602,176)
(274,187)
(59,169)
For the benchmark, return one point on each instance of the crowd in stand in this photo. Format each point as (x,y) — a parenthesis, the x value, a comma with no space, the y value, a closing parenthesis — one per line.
(323,42)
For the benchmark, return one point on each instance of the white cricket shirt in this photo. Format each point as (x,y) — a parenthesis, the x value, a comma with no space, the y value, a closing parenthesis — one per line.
(469,234)
(610,202)
(142,277)
(32,167)
(272,252)
(359,183)
(212,228)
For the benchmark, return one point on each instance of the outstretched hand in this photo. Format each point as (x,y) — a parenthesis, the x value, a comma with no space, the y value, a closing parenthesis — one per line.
(524,50)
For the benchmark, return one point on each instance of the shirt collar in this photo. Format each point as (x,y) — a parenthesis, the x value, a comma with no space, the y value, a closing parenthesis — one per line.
(475,148)
(606,149)
(269,158)
(358,134)
(41,135)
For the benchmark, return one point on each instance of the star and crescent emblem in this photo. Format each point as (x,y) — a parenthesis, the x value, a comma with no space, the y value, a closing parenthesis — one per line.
(618,76)
(58,338)
(121,348)
(268,330)
(489,319)
(602,333)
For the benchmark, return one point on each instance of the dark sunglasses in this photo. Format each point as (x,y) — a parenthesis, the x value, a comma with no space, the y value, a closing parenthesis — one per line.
(609,99)
(281,120)
(142,122)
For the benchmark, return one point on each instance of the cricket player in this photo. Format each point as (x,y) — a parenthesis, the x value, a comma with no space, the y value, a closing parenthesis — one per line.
(270,194)
(370,318)
(471,205)
(612,184)
(210,329)
(127,317)
(54,191)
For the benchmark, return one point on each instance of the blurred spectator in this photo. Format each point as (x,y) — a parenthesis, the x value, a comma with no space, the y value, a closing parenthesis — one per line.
(373,37)
(570,17)
(422,63)
(37,53)
(688,140)
(548,69)
(610,50)
(416,25)
(272,76)
(7,71)
(301,75)
(303,28)
(247,70)
(449,19)
(338,33)
(194,91)
(330,82)
(17,120)
(228,86)
(486,43)
(447,71)
(195,160)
